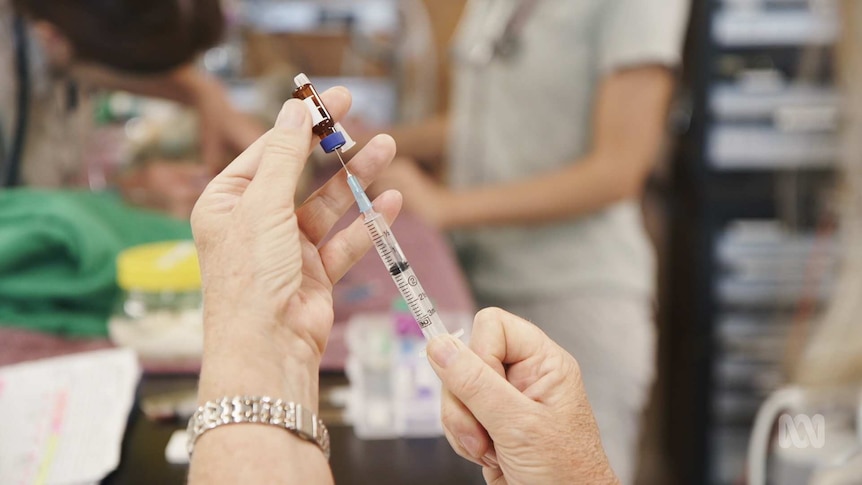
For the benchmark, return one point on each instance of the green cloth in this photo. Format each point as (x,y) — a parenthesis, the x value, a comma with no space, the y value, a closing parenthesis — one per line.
(57,256)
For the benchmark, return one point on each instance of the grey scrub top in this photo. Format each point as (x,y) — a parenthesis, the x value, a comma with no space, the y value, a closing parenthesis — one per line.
(530,112)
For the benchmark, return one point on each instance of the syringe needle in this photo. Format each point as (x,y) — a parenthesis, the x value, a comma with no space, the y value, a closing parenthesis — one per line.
(342,162)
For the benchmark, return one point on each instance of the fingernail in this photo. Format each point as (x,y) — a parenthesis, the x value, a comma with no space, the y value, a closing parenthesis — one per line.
(442,350)
(292,114)
(471,445)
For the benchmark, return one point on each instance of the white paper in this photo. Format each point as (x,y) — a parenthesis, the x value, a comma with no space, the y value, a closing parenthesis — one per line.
(62,420)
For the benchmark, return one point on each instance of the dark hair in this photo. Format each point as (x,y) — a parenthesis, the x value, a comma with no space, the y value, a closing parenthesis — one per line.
(141,36)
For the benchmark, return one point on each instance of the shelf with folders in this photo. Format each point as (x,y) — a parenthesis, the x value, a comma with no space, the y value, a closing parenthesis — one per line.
(746,23)
(771,280)
(370,16)
(770,101)
(757,147)
(765,115)
(754,184)
(765,265)
(769,123)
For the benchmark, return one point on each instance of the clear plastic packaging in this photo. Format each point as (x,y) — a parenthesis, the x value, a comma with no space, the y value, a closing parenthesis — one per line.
(394,392)
(159,310)
(393,389)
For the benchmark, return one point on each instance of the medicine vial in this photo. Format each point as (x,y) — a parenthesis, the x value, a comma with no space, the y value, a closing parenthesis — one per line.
(332,135)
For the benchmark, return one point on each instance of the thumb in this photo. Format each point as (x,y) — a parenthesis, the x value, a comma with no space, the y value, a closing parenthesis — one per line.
(488,395)
(283,157)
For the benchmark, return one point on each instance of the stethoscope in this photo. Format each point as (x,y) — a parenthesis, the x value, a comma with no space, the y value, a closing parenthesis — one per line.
(11,168)
(502,44)
(505,44)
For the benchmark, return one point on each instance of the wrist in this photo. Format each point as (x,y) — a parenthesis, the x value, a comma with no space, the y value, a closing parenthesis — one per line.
(593,465)
(246,363)
(195,86)
(600,473)
(189,81)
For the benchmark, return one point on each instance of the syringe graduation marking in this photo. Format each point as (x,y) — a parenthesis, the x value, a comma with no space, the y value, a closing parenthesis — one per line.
(395,265)
(398,266)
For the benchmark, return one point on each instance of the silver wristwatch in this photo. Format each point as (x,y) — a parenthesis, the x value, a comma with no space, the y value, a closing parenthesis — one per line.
(263,410)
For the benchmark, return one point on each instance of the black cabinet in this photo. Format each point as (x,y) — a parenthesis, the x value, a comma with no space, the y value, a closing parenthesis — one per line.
(752,247)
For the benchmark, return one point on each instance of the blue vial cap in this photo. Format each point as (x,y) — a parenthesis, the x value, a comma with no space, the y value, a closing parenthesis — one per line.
(333,142)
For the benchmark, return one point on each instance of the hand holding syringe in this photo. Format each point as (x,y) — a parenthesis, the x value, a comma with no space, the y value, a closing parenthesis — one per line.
(333,138)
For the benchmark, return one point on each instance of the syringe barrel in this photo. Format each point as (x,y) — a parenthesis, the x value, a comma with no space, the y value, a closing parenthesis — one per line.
(405,279)
(435,328)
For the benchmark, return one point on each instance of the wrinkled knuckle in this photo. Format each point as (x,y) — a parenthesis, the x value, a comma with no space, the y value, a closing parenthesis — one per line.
(347,251)
(564,360)
(285,147)
(329,202)
(473,384)
(454,419)
(535,420)
(448,416)
(526,429)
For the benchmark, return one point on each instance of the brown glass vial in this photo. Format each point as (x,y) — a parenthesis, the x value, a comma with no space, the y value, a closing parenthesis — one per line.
(323,124)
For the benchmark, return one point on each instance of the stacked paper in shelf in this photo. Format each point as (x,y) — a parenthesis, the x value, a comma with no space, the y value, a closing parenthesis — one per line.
(736,101)
(764,147)
(760,336)
(760,4)
(367,16)
(766,266)
(770,107)
(749,27)
(754,240)
(766,270)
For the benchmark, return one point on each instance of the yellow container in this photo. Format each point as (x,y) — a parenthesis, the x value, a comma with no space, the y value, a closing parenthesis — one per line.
(159,267)
(159,310)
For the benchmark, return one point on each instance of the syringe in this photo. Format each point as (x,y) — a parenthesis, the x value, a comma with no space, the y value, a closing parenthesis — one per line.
(399,268)
(335,139)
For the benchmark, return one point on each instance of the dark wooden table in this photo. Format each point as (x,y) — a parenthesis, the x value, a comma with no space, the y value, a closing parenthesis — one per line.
(354,461)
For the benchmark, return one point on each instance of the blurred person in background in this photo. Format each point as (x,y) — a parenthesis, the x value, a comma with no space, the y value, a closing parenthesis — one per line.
(557,118)
(51,51)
